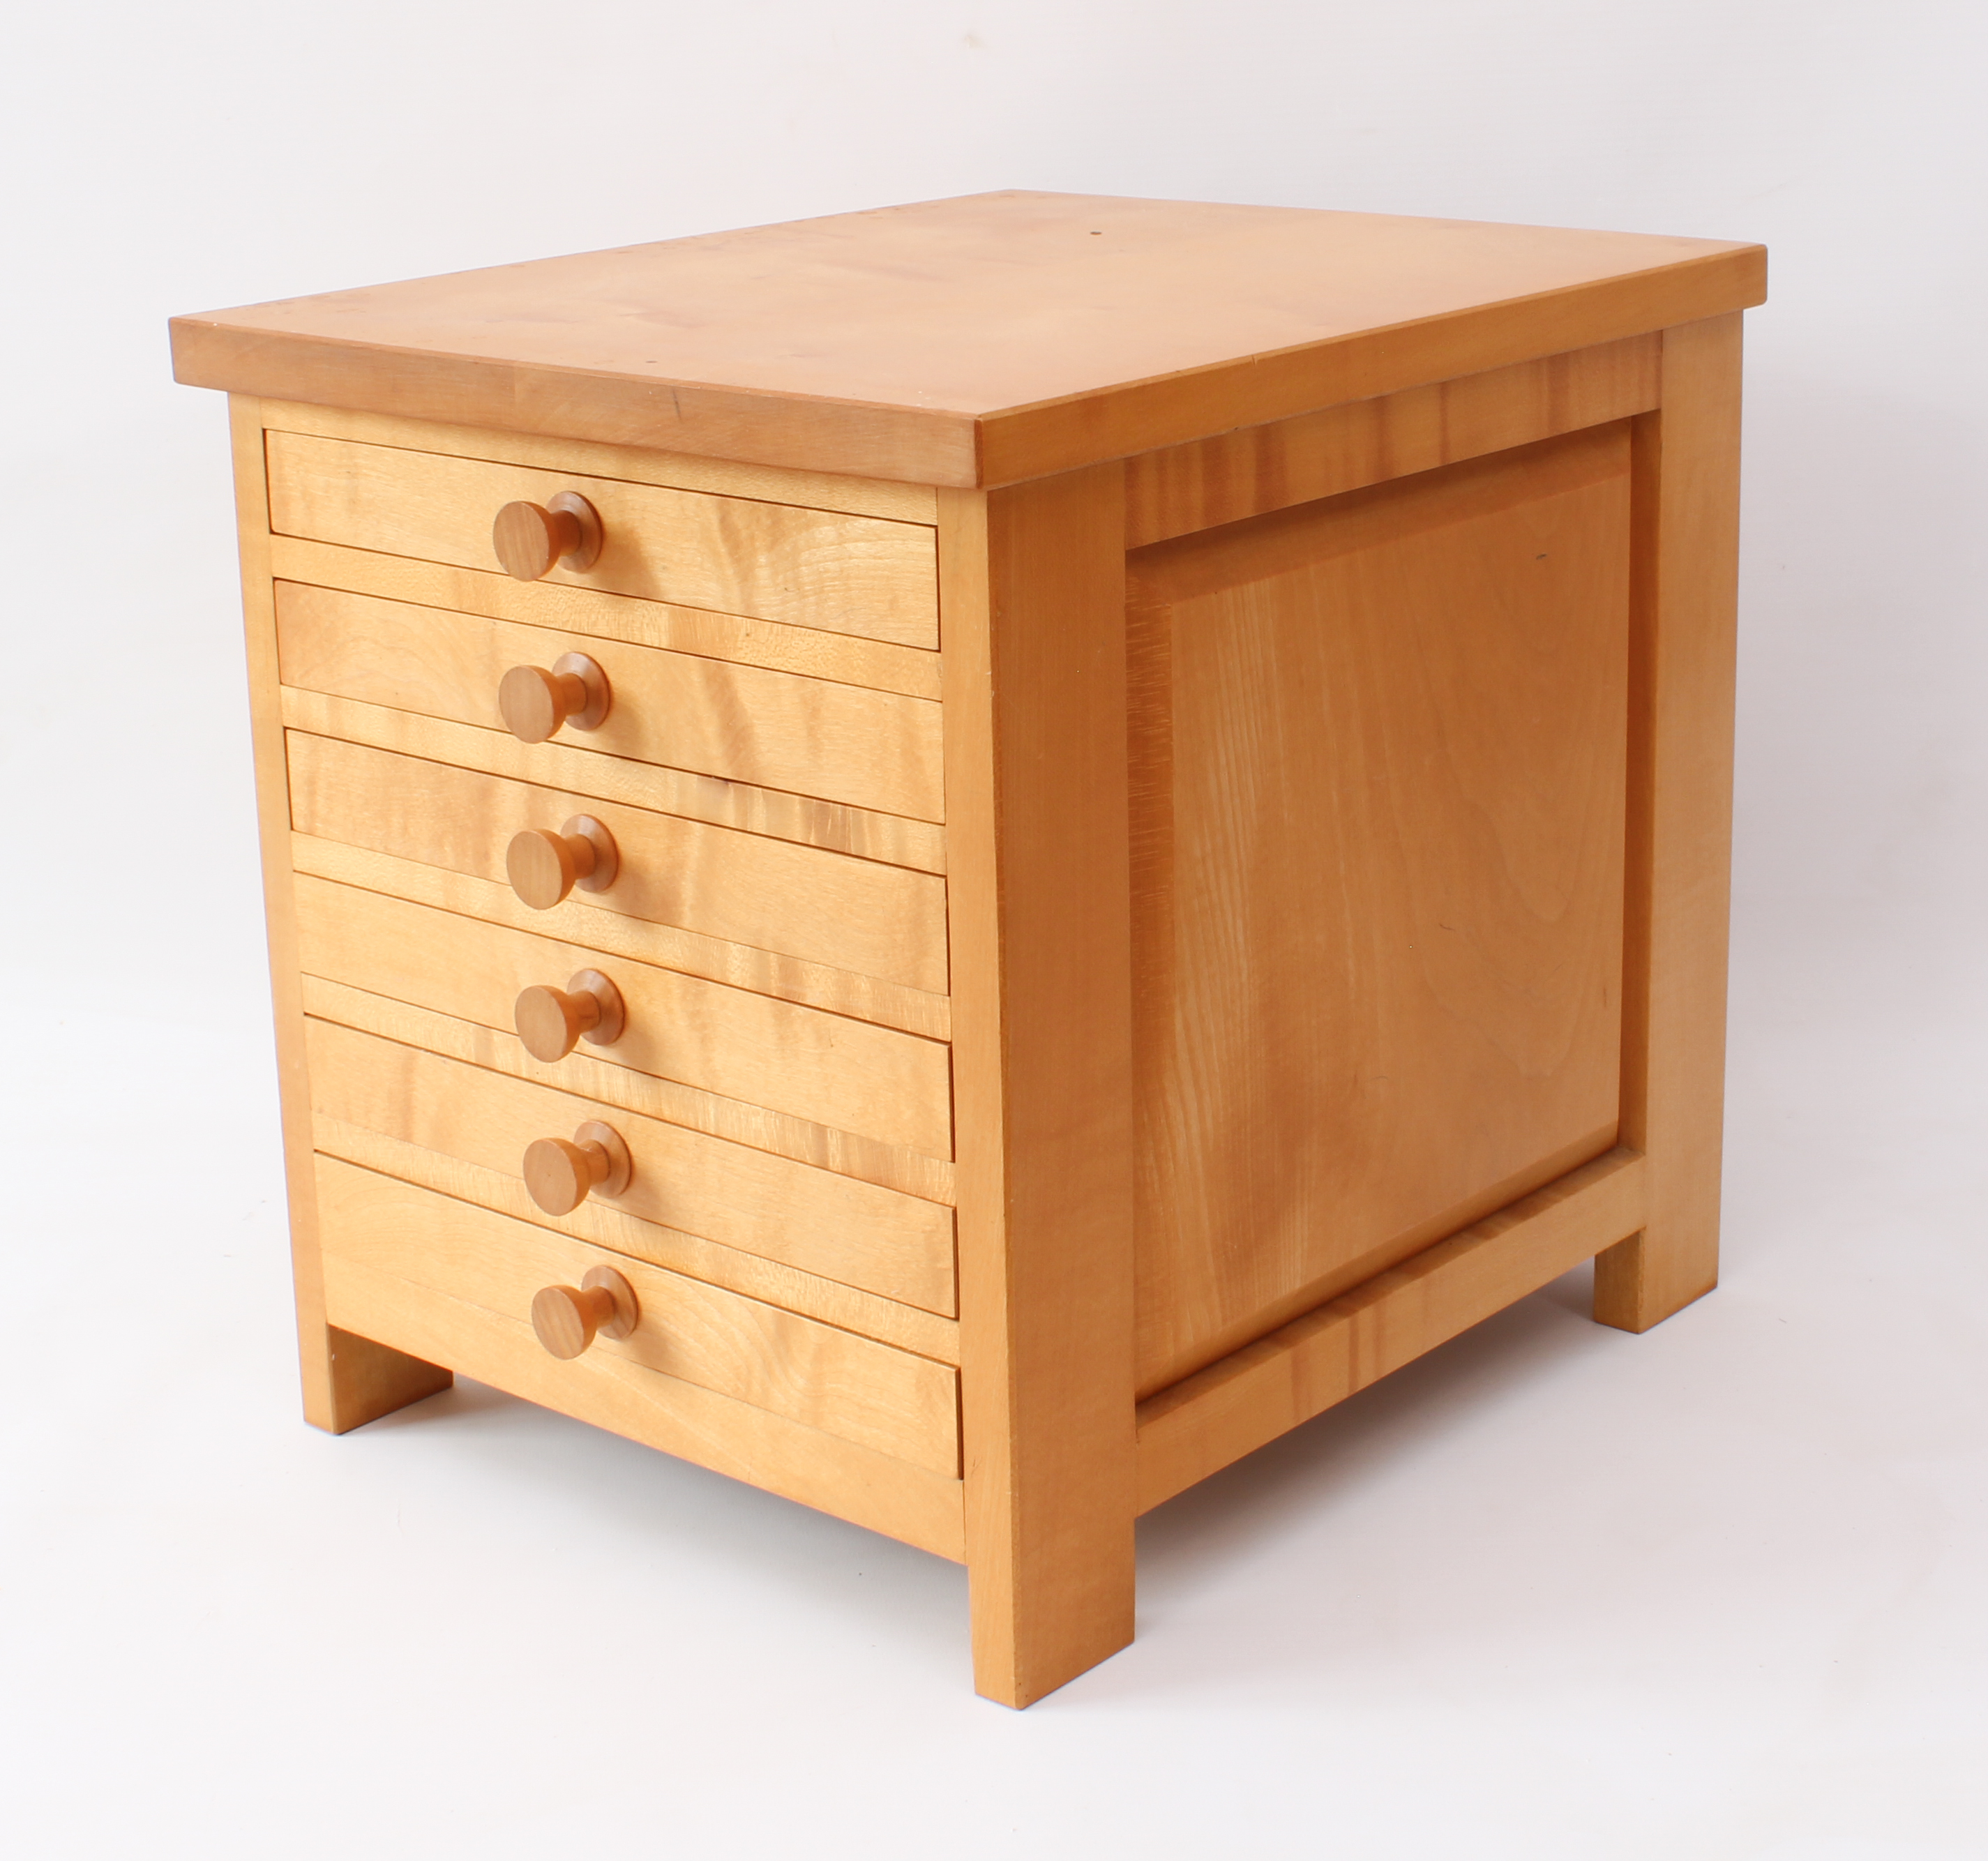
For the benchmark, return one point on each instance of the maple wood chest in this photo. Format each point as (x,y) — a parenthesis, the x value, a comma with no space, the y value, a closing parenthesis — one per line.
(961,860)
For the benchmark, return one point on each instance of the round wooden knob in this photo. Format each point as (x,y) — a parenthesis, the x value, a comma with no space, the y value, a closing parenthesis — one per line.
(534,703)
(568,1318)
(560,1176)
(544,867)
(529,538)
(549,1020)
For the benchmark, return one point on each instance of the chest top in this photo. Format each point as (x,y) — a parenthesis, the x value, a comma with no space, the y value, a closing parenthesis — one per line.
(976,341)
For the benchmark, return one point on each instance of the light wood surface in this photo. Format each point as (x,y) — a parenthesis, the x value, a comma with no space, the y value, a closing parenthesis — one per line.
(977,341)
(1032,585)
(1378,750)
(1330,816)
(820,907)
(896,1246)
(874,1081)
(841,658)
(906,1326)
(347,1380)
(827,1379)
(820,569)
(613,1390)
(1680,825)
(871,749)
(681,471)
(497,1050)
(1255,470)
(888,838)
(840,991)
(1234,1406)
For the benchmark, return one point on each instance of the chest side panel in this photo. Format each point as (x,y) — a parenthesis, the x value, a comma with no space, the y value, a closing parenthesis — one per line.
(1378,755)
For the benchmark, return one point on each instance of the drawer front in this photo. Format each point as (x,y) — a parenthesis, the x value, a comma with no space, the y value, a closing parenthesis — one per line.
(757,1127)
(771,894)
(400,1261)
(775,562)
(878,1240)
(777,730)
(849,1075)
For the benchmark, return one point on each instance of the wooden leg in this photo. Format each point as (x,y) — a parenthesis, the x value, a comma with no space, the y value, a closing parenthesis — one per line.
(1686,542)
(347,1380)
(364,1381)
(1032,596)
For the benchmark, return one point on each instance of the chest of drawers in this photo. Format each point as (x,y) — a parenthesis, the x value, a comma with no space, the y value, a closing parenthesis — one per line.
(962,860)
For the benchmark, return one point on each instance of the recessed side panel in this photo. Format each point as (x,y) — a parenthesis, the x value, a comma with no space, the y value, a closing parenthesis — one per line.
(1378,750)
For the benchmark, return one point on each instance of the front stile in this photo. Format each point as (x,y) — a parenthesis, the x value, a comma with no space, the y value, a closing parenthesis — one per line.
(348,1381)
(1032,600)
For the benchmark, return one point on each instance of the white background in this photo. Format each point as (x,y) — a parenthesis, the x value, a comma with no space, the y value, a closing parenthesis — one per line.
(1554,1591)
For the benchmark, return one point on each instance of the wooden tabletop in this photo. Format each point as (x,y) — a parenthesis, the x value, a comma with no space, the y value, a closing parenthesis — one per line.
(974,341)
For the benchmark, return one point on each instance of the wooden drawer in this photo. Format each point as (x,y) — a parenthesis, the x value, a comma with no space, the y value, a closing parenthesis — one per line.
(408,1267)
(757,1127)
(821,907)
(775,562)
(777,730)
(894,1245)
(847,1074)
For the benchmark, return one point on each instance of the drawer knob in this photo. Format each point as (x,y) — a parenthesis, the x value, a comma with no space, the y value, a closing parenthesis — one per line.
(544,867)
(529,538)
(534,703)
(569,1318)
(549,1020)
(560,1176)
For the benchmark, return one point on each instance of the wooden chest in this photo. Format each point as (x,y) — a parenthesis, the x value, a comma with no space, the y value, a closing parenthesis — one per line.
(962,860)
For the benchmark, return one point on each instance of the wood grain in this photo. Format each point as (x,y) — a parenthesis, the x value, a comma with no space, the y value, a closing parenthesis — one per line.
(978,341)
(907,1328)
(736,965)
(874,1081)
(680,470)
(832,1380)
(840,658)
(1378,751)
(893,1245)
(819,907)
(1680,824)
(1033,588)
(1314,920)
(918,844)
(869,749)
(347,1381)
(818,568)
(614,1387)
(1235,1406)
(1255,470)
(498,1049)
